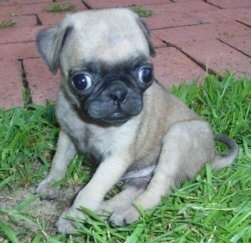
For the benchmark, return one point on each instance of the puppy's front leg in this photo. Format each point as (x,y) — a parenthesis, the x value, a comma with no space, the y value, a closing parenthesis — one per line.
(91,196)
(65,152)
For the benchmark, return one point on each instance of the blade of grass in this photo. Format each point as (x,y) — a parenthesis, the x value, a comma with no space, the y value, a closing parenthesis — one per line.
(8,232)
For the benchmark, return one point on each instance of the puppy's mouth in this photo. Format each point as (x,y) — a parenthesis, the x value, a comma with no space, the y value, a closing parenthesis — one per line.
(112,116)
(116,118)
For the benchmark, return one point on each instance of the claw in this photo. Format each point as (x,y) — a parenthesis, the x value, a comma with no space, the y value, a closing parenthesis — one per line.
(46,191)
(66,225)
(112,223)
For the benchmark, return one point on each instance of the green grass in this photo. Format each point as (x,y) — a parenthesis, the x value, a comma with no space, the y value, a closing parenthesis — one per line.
(141,12)
(6,24)
(61,7)
(215,207)
(27,136)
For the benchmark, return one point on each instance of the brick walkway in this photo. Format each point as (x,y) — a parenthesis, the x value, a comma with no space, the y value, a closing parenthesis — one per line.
(191,37)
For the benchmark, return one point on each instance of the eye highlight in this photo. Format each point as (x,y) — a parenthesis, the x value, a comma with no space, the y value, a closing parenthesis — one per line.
(145,74)
(81,81)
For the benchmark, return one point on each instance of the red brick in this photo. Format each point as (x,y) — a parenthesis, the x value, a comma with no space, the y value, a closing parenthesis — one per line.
(18,2)
(51,18)
(231,3)
(78,4)
(200,42)
(34,7)
(171,67)
(245,19)
(157,43)
(172,20)
(20,20)
(204,32)
(223,16)
(180,7)
(24,9)
(177,14)
(239,42)
(11,84)
(13,35)
(5,3)
(219,57)
(42,83)
(48,18)
(14,51)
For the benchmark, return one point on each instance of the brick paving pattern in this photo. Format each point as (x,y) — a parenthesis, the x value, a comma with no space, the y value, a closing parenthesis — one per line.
(191,37)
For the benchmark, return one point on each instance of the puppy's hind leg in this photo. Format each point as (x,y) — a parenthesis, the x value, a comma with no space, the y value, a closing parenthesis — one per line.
(65,152)
(130,191)
(186,147)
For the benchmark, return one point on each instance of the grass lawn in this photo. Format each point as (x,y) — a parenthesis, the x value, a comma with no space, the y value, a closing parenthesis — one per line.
(214,207)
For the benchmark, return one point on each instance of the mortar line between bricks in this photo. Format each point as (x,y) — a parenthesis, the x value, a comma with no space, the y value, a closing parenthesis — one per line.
(233,47)
(15,42)
(38,20)
(247,25)
(86,4)
(212,4)
(177,26)
(27,99)
(198,63)
(128,5)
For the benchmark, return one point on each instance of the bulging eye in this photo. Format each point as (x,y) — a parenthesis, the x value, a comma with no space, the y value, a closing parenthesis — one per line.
(145,74)
(82,81)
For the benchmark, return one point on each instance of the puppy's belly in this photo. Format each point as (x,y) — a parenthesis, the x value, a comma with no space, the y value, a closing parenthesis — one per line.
(146,172)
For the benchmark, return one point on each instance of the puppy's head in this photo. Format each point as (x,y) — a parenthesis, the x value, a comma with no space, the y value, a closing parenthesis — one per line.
(103,57)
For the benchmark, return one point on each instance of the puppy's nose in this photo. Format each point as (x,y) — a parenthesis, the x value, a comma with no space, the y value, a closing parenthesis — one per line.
(118,94)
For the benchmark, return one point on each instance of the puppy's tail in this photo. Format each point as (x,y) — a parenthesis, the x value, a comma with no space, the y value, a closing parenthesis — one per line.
(225,160)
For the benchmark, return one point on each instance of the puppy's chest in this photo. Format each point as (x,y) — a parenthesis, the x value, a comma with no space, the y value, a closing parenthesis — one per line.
(93,142)
(97,142)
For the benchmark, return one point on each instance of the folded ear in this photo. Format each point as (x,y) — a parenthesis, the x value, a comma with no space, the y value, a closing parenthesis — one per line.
(146,32)
(50,42)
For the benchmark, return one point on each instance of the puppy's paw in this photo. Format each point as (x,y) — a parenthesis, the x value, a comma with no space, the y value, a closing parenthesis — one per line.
(67,225)
(46,190)
(124,216)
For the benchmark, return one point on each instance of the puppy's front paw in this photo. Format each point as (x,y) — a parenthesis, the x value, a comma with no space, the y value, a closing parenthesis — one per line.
(124,216)
(46,190)
(66,225)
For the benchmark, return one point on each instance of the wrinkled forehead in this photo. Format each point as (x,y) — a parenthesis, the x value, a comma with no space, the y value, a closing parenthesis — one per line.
(103,69)
(108,37)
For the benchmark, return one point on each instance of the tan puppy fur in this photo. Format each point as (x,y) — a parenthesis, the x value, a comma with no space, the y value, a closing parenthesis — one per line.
(112,110)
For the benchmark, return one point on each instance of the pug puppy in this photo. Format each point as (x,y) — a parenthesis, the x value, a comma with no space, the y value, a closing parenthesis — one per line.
(112,110)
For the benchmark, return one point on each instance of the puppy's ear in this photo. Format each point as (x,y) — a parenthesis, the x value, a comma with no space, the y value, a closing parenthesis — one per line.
(50,42)
(146,32)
